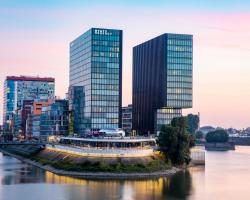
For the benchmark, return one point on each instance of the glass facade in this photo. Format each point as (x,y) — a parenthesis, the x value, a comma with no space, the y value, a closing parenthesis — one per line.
(165,115)
(77,104)
(179,70)
(54,119)
(127,118)
(18,89)
(96,66)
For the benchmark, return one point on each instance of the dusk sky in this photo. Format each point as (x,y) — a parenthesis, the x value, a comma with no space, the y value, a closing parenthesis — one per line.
(35,37)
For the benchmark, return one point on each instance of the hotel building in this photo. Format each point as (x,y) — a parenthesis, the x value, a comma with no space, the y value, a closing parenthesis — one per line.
(162,81)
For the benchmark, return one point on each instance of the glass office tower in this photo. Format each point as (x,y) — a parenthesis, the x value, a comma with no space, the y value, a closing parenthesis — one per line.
(96,71)
(162,81)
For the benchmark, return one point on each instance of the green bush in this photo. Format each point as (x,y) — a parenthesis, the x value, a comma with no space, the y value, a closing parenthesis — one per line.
(219,136)
(175,141)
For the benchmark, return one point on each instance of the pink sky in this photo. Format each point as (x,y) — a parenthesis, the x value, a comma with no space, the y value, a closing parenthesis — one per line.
(221,52)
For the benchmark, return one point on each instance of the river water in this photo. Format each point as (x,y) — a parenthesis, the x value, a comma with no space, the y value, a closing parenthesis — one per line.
(225,176)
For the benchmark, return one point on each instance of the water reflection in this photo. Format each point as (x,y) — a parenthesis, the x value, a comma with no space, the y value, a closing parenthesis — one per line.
(179,186)
(226,176)
(14,172)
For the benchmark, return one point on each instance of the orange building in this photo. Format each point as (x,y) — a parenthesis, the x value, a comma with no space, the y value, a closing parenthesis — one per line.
(37,106)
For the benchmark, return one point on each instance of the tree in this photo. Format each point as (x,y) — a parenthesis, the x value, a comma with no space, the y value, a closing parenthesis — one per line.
(174,141)
(193,123)
(219,136)
(199,135)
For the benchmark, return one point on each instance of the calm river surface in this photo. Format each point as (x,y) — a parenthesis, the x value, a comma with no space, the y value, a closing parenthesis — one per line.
(226,176)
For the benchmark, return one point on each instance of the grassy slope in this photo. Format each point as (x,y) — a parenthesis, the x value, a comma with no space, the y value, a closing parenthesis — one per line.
(102,166)
(71,162)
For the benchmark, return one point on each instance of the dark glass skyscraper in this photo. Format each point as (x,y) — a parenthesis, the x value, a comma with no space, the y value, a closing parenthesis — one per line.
(162,80)
(96,71)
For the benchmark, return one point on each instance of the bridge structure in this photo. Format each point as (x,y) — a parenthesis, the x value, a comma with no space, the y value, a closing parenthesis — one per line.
(22,148)
(22,143)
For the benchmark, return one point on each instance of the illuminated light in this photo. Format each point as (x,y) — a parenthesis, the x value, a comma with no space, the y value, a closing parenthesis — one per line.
(142,154)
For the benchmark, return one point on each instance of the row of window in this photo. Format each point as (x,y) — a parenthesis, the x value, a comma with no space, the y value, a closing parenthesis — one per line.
(169,111)
(101,109)
(105,49)
(179,66)
(105,70)
(180,48)
(127,115)
(126,120)
(106,43)
(106,37)
(105,115)
(79,74)
(104,98)
(79,47)
(26,84)
(105,87)
(104,120)
(103,126)
(80,77)
(81,64)
(105,92)
(80,81)
(180,60)
(179,54)
(105,65)
(105,103)
(80,58)
(179,90)
(80,69)
(105,76)
(164,122)
(105,54)
(167,116)
(180,72)
(179,103)
(105,59)
(179,42)
(179,79)
(105,81)
(184,97)
(80,51)
(127,126)
(180,36)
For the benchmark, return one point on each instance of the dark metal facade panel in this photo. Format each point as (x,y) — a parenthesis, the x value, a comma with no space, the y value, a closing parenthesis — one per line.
(148,82)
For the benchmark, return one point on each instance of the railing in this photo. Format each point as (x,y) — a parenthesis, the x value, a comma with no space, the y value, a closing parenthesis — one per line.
(127,152)
(22,143)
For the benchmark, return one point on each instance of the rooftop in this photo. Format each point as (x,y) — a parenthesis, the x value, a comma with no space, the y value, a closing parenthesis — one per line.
(30,78)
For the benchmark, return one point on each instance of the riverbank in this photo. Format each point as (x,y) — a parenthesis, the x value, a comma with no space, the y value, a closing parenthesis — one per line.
(97,175)
(216,146)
